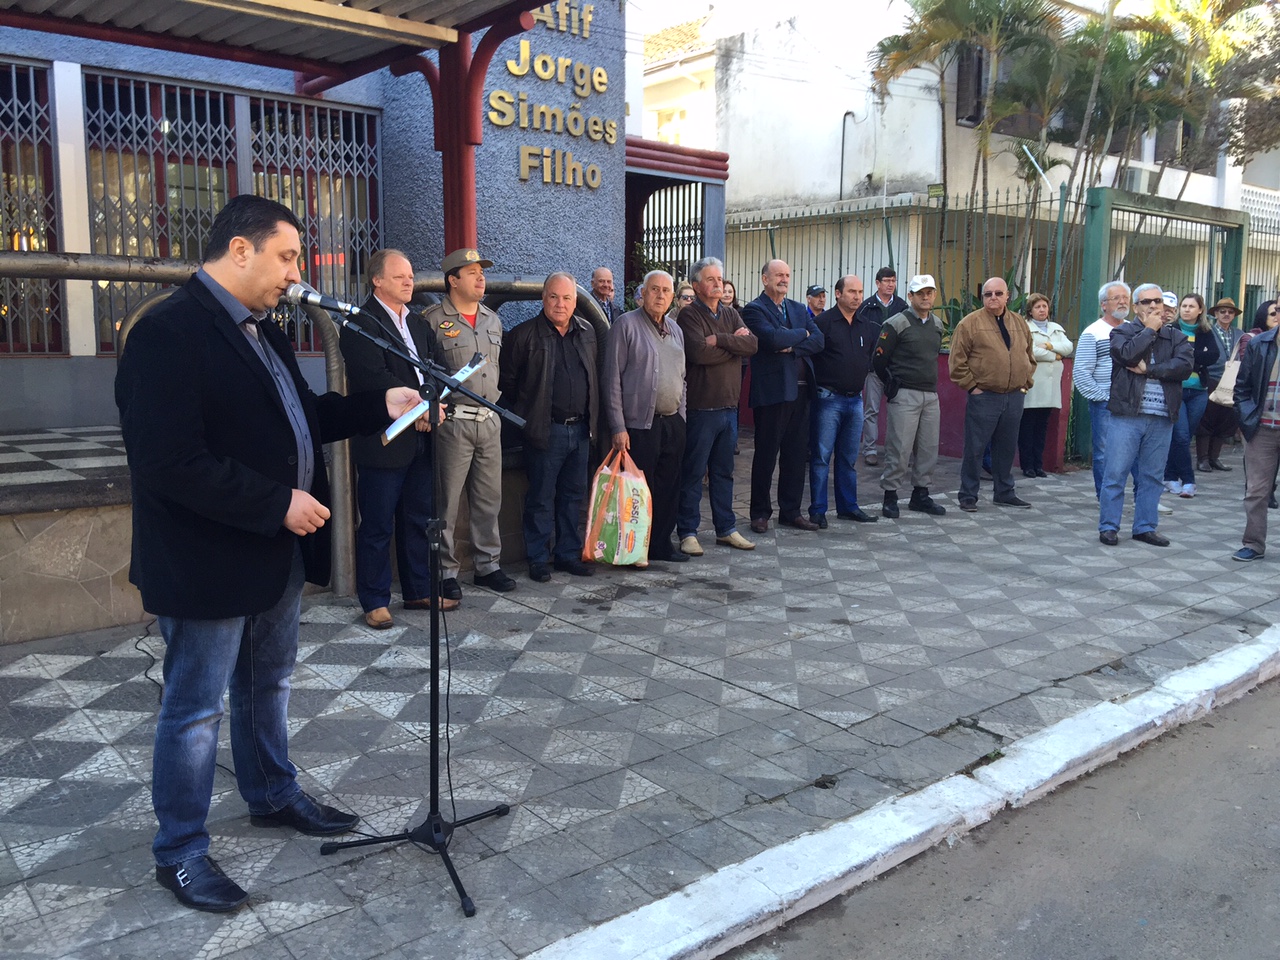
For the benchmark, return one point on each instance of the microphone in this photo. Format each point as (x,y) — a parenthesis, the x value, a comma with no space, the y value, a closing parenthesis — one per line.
(301,293)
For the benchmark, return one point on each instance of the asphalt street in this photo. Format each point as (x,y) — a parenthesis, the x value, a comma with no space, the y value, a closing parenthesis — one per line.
(1171,852)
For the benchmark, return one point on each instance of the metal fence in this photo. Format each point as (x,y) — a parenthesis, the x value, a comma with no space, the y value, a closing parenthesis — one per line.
(163,159)
(959,240)
(31,310)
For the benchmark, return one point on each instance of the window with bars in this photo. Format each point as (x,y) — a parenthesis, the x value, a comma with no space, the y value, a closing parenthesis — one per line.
(164,158)
(31,310)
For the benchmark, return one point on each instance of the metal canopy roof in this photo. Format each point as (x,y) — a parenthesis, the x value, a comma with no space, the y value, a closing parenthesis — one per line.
(314,36)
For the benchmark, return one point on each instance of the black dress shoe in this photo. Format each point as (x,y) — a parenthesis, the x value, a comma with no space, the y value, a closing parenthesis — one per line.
(820,520)
(857,516)
(1219,465)
(800,523)
(1041,474)
(1153,538)
(969,506)
(1108,537)
(307,816)
(1029,474)
(450,588)
(672,556)
(1204,466)
(1014,501)
(539,572)
(496,580)
(576,567)
(760,525)
(200,884)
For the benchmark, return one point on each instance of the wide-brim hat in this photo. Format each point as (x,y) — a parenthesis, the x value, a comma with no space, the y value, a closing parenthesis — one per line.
(1228,303)
(461,258)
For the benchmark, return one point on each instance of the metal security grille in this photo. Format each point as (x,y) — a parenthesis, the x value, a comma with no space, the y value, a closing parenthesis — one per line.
(161,162)
(322,163)
(31,309)
(164,158)
(674,228)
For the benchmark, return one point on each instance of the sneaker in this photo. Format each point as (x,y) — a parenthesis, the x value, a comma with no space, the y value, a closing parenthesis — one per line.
(1161,508)
(1173,486)
(871,460)
(1188,491)
(737,541)
(690,545)
(1246,554)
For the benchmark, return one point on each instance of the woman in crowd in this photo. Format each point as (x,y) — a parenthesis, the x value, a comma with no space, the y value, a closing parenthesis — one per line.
(730,296)
(1219,423)
(1179,471)
(684,297)
(1049,343)
(1264,318)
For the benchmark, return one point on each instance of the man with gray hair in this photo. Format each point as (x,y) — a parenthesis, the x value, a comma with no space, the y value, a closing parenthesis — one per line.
(715,341)
(1149,361)
(549,379)
(644,402)
(1091,369)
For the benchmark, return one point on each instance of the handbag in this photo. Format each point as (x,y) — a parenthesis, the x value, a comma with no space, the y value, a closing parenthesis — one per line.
(1222,393)
(620,513)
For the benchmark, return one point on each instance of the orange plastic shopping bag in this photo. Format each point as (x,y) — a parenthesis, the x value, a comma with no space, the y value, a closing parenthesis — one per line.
(621,513)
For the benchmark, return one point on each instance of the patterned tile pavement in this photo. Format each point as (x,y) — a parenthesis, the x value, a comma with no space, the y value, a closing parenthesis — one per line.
(646,727)
(58,469)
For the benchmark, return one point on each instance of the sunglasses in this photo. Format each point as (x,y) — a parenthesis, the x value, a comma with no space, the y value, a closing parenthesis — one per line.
(993,293)
(1150,300)
(687,296)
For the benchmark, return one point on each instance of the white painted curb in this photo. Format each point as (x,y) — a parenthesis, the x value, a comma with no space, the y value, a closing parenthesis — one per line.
(740,902)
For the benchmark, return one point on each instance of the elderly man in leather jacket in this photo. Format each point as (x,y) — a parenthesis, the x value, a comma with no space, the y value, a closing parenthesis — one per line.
(1150,359)
(1257,398)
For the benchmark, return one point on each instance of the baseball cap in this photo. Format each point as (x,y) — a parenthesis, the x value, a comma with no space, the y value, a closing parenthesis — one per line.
(1171,299)
(814,290)
(921,281)
(460,258)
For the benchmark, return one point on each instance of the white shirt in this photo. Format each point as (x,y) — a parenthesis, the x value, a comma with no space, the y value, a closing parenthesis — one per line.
(401,318)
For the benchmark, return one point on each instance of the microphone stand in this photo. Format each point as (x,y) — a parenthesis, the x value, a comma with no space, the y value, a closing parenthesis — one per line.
(435,831)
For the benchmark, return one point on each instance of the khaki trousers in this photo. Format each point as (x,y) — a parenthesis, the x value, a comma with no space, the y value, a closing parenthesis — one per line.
(912,422)
(470,457)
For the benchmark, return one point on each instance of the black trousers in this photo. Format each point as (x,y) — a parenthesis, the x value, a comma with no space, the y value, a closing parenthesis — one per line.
(659,452)
(1031,437)
(781,428)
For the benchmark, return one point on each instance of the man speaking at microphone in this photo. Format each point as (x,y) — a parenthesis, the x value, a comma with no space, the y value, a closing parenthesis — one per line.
(223,437)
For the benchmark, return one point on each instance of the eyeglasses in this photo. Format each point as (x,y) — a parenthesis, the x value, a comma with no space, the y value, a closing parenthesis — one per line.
(1150,300)
(993,293)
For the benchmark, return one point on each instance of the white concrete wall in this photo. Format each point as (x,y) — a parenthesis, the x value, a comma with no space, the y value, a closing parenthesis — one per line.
(688,85)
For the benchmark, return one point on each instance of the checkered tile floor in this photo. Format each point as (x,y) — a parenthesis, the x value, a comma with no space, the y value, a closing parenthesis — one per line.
(646,727)
(58,456)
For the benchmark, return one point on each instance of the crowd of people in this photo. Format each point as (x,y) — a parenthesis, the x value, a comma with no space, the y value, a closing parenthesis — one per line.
(224,440)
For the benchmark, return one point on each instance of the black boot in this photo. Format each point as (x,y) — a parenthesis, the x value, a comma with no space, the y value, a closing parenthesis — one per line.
(921,501)
(890,508)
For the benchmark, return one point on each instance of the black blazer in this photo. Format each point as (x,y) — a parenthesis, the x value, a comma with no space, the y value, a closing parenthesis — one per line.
(773,373)
(213,460)
(372,368)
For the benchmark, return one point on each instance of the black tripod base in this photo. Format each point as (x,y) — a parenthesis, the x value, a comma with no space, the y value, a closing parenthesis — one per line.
(433,833)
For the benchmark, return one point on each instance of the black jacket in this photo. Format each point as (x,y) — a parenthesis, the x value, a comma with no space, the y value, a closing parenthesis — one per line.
(213,460)
(1206,355)
(1168,356)
(369,367)
(525,380)
(1251,382)
(872,309)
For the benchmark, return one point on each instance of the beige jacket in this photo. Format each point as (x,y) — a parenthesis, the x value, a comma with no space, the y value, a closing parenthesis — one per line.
(979,358)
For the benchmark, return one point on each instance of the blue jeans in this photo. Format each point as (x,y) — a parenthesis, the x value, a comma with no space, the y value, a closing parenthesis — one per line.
(1140,442)
(254,656)
(557,484)
(836,430)
(1179,465)
(710,436)
(1099,423)
(394,501)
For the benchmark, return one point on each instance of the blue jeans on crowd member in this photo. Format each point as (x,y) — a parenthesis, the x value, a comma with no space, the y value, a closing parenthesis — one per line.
(1099,421)
(254,656)
(1141,443)
(836,430)
(557,484)
(710,436)
(394,501)
(1179,466)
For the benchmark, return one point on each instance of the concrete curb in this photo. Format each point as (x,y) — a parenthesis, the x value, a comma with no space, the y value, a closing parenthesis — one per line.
(740,902)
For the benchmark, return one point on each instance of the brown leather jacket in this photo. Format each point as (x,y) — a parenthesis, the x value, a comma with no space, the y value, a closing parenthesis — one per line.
(979,358)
